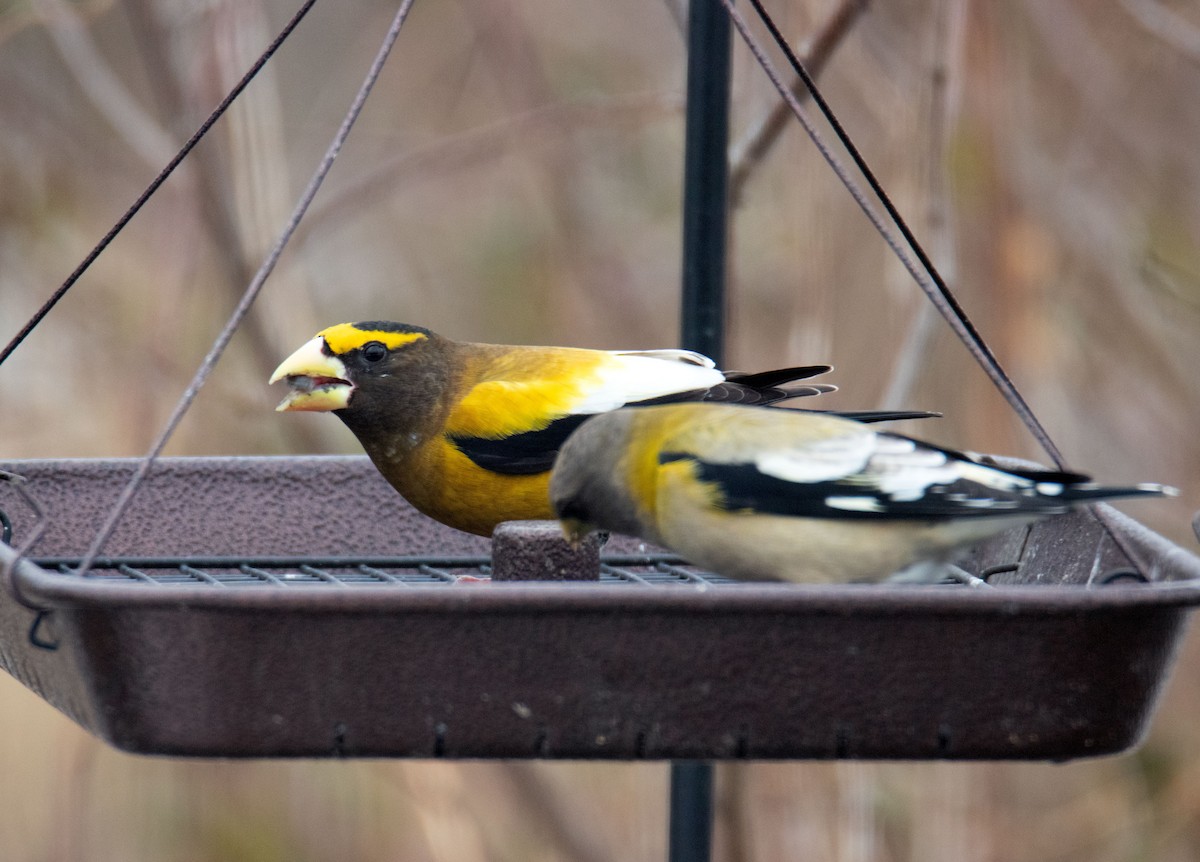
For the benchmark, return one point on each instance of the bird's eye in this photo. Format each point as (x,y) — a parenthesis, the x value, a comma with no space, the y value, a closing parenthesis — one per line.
(374,351)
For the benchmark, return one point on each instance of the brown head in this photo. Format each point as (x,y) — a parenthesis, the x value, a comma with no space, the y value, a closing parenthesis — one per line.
(378,377)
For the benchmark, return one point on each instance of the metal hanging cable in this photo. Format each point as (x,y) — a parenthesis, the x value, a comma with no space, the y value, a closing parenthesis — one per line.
(188,146)
(926,274)
(251,293)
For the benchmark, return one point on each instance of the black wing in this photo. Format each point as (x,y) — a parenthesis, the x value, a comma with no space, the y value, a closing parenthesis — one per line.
(521,454)
(744,487)
(534,451)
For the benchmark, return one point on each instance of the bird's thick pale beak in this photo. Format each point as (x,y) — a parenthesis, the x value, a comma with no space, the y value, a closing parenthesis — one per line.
(318,380)
(575,531)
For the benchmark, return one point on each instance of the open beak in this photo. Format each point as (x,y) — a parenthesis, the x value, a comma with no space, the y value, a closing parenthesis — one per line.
(318,380)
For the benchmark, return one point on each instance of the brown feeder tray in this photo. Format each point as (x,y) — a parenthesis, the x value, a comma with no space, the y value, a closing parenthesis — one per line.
(268,607)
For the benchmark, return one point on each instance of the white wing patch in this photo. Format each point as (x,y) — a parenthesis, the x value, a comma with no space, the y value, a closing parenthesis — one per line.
(896,468)
(904,471)
(688,357)
(998,479)
(825,459)
(639,375)
(855,504)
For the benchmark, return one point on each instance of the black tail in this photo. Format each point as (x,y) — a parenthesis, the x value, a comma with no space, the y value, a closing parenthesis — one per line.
(879,415)
(777,376)
(768,387)
(1092,491)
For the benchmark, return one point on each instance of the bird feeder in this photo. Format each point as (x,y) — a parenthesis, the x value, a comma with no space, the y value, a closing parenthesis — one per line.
(234,618)
(237,614)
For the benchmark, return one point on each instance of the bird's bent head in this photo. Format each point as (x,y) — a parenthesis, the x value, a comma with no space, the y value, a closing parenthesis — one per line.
(326,371)
(588,486)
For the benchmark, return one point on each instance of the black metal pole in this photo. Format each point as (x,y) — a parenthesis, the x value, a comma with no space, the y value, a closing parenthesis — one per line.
(705,197)
(690,837)
(705,178)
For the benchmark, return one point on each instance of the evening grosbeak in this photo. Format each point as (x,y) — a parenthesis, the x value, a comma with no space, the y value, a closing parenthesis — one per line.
(467,433)
(795,496)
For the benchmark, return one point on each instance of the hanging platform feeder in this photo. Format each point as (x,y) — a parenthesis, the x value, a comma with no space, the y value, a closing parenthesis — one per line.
(268,607)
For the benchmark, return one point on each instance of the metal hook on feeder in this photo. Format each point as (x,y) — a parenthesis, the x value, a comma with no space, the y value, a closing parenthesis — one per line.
(35,628)
(8,571)
(1124,575)
(1002,568)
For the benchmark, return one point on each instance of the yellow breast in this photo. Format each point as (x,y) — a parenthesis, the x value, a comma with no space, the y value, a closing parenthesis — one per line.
(441,482)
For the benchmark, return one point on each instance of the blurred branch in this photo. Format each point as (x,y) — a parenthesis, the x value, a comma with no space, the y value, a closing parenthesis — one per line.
(216,213)
(13,21)
(857,826)
(949,27)
(417,801)
(733,811)
(1166,24)
(164,80)
(1174,281)
(563,823)
(746,154)
(71,839)
(101,85)
(679,13)
(532,128)
(144,136)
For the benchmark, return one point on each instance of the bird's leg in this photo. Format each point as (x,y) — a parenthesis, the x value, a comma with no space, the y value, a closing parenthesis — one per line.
(936,572)
(962,576)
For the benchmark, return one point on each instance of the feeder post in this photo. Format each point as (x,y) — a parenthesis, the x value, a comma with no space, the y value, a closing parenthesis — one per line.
(690,837)
(706,179)
(705,206)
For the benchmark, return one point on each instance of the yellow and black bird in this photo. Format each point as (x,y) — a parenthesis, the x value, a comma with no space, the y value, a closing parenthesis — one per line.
(468,433)
(796,496)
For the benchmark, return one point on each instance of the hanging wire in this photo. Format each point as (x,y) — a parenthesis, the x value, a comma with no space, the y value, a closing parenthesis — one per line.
(756,142)
(926,275)
(247,300)
(158,181)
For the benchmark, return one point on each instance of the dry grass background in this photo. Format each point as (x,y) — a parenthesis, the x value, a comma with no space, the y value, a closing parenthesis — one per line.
(516,178)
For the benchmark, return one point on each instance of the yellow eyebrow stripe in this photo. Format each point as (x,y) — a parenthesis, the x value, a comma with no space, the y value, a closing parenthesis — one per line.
(345,337)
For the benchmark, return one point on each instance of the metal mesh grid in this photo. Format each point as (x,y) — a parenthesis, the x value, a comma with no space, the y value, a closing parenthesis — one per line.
(647,570)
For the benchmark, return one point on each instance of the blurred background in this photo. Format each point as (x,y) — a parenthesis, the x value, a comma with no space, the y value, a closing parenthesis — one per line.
(516,178)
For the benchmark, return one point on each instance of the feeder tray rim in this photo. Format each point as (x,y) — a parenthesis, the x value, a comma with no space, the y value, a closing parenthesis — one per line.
(64,592)
(157,663)
(1174,573)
